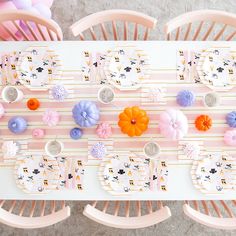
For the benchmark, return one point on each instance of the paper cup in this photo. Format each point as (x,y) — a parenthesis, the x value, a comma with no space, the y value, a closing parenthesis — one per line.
(106,94)
(54,148)
(211,99)
(151,150)
(12,94)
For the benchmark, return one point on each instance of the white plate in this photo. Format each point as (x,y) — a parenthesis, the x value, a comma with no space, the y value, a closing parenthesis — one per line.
(214,173)
(37,68)
(37,174)
(126,67)
(217,68)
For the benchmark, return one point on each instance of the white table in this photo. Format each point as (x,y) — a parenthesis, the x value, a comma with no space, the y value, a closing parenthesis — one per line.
(163,61)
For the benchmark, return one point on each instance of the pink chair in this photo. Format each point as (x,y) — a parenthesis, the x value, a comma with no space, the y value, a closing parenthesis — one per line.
(21,25)
(114,25)
(202,25)
(215,214)
(32,214)
(127,214)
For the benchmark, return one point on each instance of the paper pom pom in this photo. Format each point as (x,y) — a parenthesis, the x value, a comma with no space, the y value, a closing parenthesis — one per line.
(10,149)
(98,150)
(51,117)
(185,98)
(17,125)
(38,133)
(173,124)
(231,119)
(22,4)
(230,137)
(33,104)
(76,133)
(43,10)
(2,110)
(86,113)
(104,130)
(59,92)
(203,122)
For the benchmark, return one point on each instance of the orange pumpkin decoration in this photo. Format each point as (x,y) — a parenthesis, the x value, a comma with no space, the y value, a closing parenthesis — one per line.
(33,103)
(133,121)
(203,122)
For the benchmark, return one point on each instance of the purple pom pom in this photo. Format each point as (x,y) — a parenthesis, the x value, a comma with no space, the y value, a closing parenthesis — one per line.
(98,150)
(185,98)
(231,119)
(59,92)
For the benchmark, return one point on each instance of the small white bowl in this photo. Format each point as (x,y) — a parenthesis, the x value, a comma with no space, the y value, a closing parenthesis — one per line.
(211,99)
(12,94)
(54,148)
(152,149)
(106,94)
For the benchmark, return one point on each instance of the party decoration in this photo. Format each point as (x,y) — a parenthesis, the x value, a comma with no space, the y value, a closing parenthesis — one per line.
(151,149)
(230,137)
(156,94)
(133,121)
(76,133)
(98,150)
(104,130)
(38,133)
(203,122)
(86,113)
(33,104)
(17,125)
(173,124)
(10,149)
(22,4)
(106,94)
(59,92)
(185,98)
(51,117)
(211,99)
(53,148)
(12,94)
(43,10)
(231,119)
(2,110)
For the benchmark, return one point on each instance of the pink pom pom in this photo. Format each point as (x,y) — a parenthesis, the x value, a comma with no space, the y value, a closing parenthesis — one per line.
(51,117)
(38,133)
(2,110)
(43,10)
(104,130)
(230,137)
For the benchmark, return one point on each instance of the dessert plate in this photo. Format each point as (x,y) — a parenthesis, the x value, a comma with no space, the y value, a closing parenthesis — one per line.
(214,173)
(37,173)
(217,68)
(123,173)
(126,67)
(38,67)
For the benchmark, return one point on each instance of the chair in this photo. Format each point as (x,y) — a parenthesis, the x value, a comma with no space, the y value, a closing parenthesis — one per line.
(114,25)
(215,214)
(127,214)
(21,25)
(202,25)
(32,214)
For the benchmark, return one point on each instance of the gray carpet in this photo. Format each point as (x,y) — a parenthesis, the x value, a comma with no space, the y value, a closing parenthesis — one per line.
(65,12)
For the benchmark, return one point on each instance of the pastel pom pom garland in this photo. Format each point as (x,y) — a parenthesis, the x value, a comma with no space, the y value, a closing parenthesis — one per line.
(98,150)
(173,124)
(76,133)
(231,119)
(17,125)
(104,130)
(230,137)
(185,98)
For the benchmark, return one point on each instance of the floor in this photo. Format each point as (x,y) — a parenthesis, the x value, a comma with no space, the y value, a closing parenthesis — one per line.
(65,12)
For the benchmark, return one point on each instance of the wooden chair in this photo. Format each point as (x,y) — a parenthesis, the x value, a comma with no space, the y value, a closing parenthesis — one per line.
(127,214)
(114,25)
(215,214)
(21,25)
(32,214)
(202,25)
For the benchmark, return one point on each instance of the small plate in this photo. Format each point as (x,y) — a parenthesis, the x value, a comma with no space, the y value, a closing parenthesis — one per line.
(37,174)
(214,173)
(38,67)
(217,68)
(126,67)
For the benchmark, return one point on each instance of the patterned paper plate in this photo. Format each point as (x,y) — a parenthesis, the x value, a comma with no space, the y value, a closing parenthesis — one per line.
(37,173)
(217,68)
(126,67)
(124,173)
(214,173)
(38,67)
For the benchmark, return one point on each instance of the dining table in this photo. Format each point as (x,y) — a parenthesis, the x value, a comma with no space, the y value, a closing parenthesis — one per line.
(183,166)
